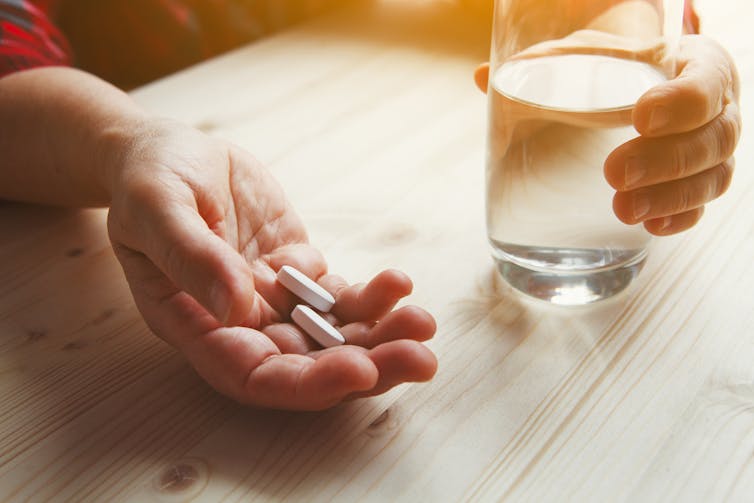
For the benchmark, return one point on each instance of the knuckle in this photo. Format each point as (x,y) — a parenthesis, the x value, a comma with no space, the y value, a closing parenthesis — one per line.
(723,178)
(684,199)
(728,128)
(697,100)
(717,144)
(174,259)
(722,82)
(682,155)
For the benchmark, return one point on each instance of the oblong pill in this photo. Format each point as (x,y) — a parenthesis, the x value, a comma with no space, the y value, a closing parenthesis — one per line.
(305,288)
(317,327)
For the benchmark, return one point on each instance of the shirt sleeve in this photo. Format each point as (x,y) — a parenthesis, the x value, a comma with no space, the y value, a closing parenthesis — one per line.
(28,38)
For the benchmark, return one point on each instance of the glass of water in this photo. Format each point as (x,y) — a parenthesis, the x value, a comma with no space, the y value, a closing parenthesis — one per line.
(564,77)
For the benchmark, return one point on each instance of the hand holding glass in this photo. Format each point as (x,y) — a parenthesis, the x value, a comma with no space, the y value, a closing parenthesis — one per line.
(564,78)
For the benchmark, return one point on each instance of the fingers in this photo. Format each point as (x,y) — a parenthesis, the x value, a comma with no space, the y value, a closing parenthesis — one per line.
(289,338)
(706,83)
(302,383)
(395,351)
(247,366)
(368,302)
(647,161)
(673,224)
(332,375)
(202,264)
(178,241)
(690,127)
(224,357)
(398,362)
(171,313)
(482,76)
(409,322)
(673,198)
(303,257)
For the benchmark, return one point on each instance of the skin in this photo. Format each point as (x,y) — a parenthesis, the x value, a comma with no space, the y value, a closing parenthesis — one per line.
(689,127)
(200,229)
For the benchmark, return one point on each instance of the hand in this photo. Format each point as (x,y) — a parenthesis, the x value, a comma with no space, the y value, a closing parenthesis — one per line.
(200,229)
(683,159)
(689,129)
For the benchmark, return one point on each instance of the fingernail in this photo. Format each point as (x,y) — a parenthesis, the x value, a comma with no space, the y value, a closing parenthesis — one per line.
(665,223)
(220,300)
(641,207)
(659,117)
(634,171)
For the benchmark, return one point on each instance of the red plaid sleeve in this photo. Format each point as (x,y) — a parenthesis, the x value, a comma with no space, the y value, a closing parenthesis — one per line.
(131,42)
(28,38)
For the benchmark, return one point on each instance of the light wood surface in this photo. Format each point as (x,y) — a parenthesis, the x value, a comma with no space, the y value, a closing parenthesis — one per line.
(371,121)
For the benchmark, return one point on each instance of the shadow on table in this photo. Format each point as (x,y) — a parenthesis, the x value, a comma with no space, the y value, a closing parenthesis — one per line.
(96,407)
(87,389)
(582,326)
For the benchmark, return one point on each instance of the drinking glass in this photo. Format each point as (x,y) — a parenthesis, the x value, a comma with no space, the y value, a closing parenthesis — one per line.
(564,78)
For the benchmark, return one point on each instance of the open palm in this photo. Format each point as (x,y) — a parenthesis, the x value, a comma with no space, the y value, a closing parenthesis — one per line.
(200,228)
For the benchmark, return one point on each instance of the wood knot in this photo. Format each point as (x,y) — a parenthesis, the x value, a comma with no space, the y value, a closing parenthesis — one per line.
(207,126)
(383,423)
(397,235)
(182,480)
(73,346)
(104,316)
(381,419)
(178,478)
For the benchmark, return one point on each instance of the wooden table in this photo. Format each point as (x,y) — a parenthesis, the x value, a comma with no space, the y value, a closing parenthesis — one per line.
(371,121)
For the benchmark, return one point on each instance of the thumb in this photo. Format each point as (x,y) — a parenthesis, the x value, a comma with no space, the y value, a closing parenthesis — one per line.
(199,262)
(707,82)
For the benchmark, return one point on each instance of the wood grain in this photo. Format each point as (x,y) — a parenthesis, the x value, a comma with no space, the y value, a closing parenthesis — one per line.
(370,120)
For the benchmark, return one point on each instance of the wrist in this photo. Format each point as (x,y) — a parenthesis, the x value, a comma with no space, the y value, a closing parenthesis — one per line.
(123,144)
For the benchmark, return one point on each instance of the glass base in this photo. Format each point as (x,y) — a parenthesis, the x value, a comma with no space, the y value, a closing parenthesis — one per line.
(570,281)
